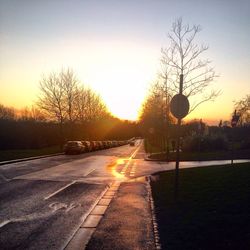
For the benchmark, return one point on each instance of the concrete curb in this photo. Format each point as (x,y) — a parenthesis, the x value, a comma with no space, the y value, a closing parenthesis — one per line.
(157,160)
(89,223)
(29,158)
(154,221)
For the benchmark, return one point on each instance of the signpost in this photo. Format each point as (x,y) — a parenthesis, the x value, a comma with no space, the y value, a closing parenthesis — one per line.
(179,107)
(234,122)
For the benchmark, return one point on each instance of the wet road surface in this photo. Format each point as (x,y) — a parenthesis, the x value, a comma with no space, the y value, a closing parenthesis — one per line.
(44,201)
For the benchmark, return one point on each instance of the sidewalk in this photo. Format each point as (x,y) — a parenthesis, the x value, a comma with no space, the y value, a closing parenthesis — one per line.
(127,223)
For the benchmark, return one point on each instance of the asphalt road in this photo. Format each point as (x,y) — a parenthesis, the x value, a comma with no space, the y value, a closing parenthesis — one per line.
(44,201)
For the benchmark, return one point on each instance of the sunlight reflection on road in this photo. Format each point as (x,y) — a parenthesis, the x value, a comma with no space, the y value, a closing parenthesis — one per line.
(121,168)
(113,169)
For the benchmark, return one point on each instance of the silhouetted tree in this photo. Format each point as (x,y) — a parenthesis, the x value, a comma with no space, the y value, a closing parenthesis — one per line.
(182,56)
(155,117)
(64,100)
(243,108)
(7,113)
(89,106)
(52,97)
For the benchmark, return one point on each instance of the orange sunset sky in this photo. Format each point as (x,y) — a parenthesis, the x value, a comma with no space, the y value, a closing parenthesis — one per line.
(114,47)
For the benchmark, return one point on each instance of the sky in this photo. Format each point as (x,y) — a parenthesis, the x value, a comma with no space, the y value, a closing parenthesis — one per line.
(114,47)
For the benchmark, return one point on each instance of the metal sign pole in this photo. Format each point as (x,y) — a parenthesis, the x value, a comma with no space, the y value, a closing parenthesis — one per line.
(234,122)
(177,163)
(179,107)
(176,186)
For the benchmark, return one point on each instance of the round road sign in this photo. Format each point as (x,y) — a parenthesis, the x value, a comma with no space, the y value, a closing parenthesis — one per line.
(179,106)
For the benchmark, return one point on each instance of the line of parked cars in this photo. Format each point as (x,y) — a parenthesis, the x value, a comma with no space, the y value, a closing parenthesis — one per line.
(79,147)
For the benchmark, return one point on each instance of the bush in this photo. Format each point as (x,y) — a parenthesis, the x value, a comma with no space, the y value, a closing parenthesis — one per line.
(205,143)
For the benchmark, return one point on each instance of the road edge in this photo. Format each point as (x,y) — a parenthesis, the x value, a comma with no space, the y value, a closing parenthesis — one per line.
(28,158)
(89,223)
(153,215)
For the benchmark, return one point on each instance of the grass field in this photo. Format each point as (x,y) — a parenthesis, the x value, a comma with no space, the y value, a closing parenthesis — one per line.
(18,154)
(212,212)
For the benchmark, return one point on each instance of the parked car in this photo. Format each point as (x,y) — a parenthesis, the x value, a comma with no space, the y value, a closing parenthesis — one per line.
(110,144)
(94,145)
(106,144)
(74,147)
(88,146)
(100,145)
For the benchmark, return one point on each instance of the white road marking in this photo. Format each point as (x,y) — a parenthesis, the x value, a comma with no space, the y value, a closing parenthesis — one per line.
(91,171)
(135,152)
(59,205)
(5,222)
(124,169)
(59,190)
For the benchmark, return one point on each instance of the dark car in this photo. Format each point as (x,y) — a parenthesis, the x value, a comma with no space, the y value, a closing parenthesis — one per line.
(100,145)
(95,145)
(74,147)
(88,146)
(106,144)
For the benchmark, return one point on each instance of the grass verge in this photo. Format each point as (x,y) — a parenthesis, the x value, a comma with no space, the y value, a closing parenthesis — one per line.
(212,211)
(6,155)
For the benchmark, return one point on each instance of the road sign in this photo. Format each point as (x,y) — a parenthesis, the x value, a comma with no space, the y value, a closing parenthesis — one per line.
(179,106)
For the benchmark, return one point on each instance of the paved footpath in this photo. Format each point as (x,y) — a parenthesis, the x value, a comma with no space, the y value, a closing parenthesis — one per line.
(127,222)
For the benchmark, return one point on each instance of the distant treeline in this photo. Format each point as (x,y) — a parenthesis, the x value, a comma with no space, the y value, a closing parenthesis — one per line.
(65,110)
(21,130)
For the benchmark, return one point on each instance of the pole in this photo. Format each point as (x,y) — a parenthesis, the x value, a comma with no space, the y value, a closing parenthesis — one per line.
(232,148)
(177,163)
(234,122)
(167,124)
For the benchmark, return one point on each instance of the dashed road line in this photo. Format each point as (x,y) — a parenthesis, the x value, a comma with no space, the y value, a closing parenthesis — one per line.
(82,236)
(125,168)
(88,173)
(59,190)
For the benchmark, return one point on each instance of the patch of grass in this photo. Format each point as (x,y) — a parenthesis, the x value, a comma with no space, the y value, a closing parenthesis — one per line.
(212,211)
(203,156)
(6,155)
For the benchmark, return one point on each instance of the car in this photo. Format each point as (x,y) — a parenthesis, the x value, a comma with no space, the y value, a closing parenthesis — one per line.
(100,145)
(88,146)
(106,144)
(74,147)
(110,145)
(132,143)
(93,145)
(97,145)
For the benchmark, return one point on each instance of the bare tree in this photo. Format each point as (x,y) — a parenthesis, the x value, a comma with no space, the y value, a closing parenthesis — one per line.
(30,114)
(52,97)
(70,92)
(89,105)
(64,100)
(7,113)
(243,108)
(182,56)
